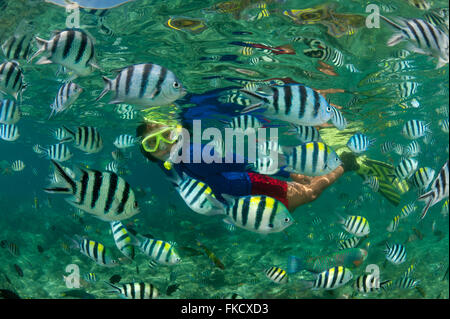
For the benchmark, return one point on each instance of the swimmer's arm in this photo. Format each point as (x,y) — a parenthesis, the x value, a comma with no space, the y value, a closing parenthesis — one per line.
(299,193)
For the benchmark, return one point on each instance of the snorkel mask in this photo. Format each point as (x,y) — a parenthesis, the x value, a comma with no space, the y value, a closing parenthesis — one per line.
(168,134)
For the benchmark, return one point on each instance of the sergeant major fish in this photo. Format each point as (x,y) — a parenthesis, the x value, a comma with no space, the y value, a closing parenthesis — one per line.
(438,191)
(9,132)
(136,290)
(311,159)
(71,48)
(144,85)
(11,79)
(424,38)
(158,250)
(260,214)
(56,152)
(95,251)
(123,239)
(105,195)
(66,96)
(85,138)
(198,196)
(9,112)
(330,279)
(293,103)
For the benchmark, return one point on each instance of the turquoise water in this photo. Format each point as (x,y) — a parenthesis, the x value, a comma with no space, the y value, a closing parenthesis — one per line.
(203,59)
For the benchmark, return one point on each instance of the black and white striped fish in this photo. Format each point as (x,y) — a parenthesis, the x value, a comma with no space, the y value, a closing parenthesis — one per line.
(124,141)
(144,85)
(396,253)
(443,124)
(387,147)
(407,210)
(135,290)
(57,152)
(265,165)
(392,227)
(71,48)
(367,283)
(424,38)
(59,134)
(399,149)
(359,143)
(412,149)
(317,221)
(372,182)
(311,159)
(352,68)
(17,166)
(245,122)
(348,243)
(438,191)
(11,79)
(406,283)
(260,214)
(306,133)
(158,250)
(37,149)
(112,167)
(11,247)
(66,96)
(415,129)
(9,132)
(128,115)
(122,238)
(17,47)
(9,112)
(105,195)
(95,251)
(405,90)
(355,225)
(326,54)
(276,274)
(406,168)
(267,147)
(85,138)
(338,119)
(423,177)
(293,103)
(197,195)
(332,278)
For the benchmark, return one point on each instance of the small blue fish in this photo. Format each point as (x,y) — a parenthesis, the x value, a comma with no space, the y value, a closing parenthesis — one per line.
(359,143)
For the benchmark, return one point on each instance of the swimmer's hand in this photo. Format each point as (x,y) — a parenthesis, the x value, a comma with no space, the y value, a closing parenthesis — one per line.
(349,162)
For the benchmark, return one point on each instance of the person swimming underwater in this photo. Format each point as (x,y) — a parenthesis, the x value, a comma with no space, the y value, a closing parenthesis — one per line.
(158,138)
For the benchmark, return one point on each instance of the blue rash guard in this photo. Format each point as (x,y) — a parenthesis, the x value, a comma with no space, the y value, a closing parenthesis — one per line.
(223,178)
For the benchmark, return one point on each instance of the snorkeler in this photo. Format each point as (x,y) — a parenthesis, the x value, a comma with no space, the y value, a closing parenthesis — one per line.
(158,139)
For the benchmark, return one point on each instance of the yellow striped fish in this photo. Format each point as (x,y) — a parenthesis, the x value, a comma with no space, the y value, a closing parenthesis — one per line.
(198,196)
(277,275)
(355,225)
(160,251)
(260,214)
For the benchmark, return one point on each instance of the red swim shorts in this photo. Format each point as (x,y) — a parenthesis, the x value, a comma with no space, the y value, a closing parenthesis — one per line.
(266,185)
